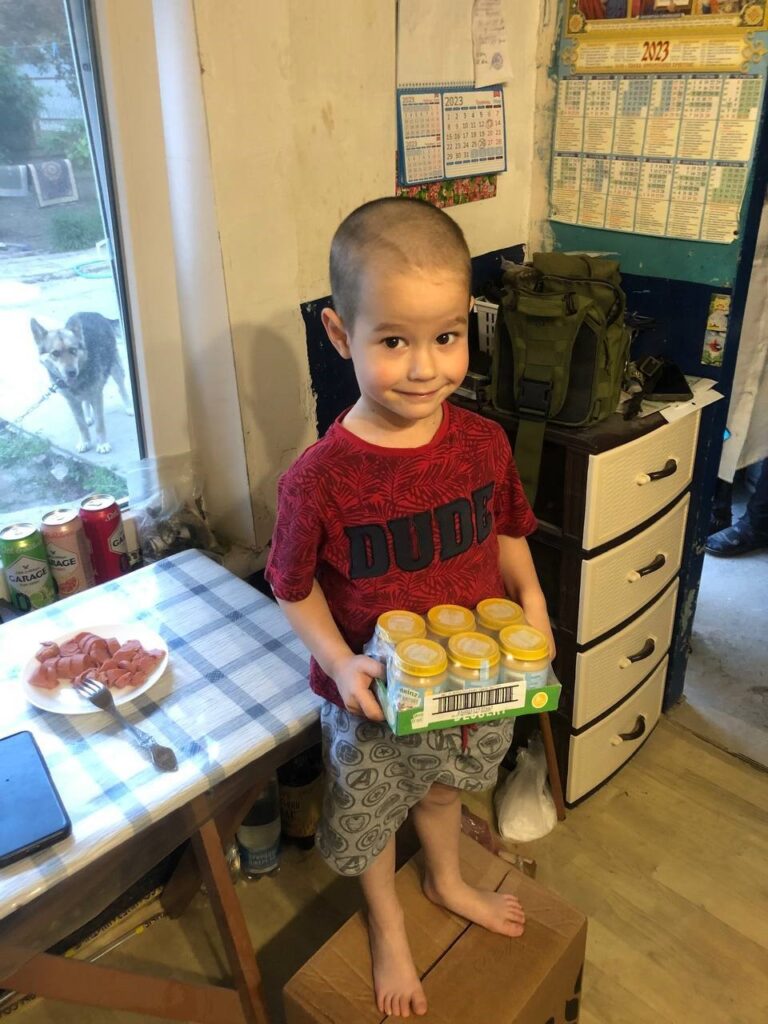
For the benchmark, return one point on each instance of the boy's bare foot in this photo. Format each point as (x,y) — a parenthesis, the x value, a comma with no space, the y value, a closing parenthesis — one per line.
(496,911)
(395,981)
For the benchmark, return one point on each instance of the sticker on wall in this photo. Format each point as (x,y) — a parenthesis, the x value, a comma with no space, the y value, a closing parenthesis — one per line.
(717,325)
(451,193)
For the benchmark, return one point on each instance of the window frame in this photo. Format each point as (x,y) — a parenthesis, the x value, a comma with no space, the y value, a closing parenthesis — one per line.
(83,43)
(175,300)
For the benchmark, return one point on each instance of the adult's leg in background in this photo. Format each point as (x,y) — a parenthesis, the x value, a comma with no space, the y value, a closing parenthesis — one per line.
(750,533)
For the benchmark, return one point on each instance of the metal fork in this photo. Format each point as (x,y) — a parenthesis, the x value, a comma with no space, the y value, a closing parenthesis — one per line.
(101,697)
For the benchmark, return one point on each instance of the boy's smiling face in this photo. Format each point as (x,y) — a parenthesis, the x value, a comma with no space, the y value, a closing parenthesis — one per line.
(408,344)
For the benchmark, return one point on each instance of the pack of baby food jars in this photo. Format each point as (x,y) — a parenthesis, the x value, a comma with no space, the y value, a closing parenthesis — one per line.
(460,667)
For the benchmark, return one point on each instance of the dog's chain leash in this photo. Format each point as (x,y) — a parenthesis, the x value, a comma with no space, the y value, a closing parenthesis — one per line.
(51,391)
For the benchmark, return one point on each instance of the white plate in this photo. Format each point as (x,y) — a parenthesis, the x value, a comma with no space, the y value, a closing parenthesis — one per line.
(63,700)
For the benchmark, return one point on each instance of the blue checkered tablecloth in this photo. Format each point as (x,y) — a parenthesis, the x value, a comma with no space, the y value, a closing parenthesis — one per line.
(235,687)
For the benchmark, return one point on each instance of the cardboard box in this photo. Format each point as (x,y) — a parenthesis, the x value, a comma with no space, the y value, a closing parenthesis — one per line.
(464,707)
(469,974)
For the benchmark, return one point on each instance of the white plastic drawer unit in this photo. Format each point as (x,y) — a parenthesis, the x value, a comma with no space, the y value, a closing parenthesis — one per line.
(630,483)
(598,752)
(607,672)
(617,583)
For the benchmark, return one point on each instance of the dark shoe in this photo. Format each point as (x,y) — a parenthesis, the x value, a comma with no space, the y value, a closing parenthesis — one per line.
(735,540)
(718,523)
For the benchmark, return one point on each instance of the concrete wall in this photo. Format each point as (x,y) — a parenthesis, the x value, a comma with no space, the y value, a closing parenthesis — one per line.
(300,107)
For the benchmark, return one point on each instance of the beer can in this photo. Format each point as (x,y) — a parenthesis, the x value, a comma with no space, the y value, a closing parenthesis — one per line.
(25,561)
(69,554)
(103,526)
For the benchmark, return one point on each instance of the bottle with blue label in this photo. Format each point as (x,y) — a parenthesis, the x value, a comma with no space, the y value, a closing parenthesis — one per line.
(258,838)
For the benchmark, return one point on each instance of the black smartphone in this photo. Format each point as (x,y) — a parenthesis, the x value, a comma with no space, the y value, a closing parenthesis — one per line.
(32,815)
(670,385)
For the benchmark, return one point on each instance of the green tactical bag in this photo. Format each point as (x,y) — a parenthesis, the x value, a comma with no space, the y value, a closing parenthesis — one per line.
(559,350)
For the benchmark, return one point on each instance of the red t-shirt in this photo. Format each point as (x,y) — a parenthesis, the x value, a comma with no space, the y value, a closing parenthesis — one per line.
(383,528)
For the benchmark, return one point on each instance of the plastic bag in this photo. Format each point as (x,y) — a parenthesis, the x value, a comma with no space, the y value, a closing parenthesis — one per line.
(524,806)
(166,498)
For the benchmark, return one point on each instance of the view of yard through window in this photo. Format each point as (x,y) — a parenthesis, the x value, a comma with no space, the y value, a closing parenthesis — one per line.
(59,313)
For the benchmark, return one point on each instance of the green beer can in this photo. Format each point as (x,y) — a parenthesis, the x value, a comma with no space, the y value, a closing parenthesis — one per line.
(25,561)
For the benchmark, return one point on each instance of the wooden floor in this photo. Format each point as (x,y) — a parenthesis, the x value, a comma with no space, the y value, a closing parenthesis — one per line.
(669,861)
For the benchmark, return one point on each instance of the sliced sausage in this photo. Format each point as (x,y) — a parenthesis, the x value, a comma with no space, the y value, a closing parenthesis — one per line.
(43,678)
(48,649)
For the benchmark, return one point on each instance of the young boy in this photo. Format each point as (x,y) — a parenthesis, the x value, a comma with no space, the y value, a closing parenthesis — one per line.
(406,502)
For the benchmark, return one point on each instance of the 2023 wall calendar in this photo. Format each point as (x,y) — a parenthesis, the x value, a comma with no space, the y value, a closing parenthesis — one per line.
(664,155)
(450,133)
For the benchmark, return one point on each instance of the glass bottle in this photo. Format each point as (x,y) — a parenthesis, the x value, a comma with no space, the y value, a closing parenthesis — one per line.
(445,620)
(473,661)
(524,655)
(494,613)
(391,628)
(301,796)
(258,838)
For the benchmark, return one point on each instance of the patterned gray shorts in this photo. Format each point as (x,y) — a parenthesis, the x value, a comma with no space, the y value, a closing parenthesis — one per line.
(373,778)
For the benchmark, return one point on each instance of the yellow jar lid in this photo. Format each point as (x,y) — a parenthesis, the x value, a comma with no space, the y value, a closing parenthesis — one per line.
(421,657)
(524,642)
(447,619)
(473,650)
(400,625)
(497,612)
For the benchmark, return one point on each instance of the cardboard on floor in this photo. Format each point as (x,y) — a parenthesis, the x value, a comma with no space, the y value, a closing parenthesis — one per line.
(468,973)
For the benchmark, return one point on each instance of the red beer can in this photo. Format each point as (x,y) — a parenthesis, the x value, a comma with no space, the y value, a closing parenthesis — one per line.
(69,554)
(104,529)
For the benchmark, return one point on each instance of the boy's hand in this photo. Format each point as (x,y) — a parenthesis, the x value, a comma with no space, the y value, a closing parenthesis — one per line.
(539,619)
(354,676)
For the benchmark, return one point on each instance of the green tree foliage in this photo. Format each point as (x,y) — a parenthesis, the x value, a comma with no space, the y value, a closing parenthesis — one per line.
(19,107)
(36,32)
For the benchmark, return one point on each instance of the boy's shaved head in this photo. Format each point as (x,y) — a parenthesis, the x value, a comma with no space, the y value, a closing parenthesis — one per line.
(393,234)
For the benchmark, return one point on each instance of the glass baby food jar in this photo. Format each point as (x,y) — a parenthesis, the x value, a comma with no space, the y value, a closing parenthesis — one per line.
(445,620)
(416,669)
(391,628)
(473,660)
(495,613)
(524,654)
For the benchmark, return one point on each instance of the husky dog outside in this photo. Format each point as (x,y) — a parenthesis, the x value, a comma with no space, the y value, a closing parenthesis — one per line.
(79,358)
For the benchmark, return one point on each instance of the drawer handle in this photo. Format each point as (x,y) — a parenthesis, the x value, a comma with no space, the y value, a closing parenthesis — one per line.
(635,574)
(645,652)
(670,468)
(635,734)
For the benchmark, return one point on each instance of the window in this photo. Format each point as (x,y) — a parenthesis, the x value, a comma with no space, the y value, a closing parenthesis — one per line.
(69,419)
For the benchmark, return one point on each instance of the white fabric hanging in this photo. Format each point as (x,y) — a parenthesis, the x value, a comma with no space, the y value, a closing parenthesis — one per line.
(748,411)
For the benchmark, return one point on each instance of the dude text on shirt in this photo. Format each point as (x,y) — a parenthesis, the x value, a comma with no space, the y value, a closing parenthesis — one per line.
(460,523)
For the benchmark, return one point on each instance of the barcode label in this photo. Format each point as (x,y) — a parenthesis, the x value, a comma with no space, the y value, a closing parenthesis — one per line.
(472,700)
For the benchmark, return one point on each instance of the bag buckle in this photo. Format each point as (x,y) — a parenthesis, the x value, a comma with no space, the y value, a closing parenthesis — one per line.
(535,396)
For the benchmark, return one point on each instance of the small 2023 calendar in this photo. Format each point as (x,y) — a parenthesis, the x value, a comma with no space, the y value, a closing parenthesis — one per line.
(450,133)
